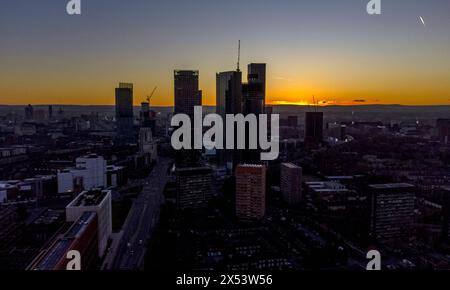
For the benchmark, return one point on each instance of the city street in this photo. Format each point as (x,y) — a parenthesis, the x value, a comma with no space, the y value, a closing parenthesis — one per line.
(141,220)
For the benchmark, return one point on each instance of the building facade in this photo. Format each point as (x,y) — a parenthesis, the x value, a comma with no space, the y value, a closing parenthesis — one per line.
(392,211)
(194,187)
(250,191)
(291,182)
(98,201)
(124,112)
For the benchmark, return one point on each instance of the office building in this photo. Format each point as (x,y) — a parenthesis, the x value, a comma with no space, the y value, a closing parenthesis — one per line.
(124,112)
(187,96)
(148,117)
(255,90)
(254,98)
(194,187)
(314,128)
(88,173)
(187,93)
(291,182)
(50,112)
(98,201)
(392,211)
(37,187)
(250,191)
(29,113)
(336,131)
(228,101)
(115,176)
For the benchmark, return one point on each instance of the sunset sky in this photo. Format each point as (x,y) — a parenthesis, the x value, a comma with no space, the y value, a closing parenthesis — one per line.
(327,48)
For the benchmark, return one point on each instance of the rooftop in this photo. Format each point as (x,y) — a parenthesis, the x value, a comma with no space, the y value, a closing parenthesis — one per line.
(391,185)
(291,165)
(59,249)
(251,166)
(89,198)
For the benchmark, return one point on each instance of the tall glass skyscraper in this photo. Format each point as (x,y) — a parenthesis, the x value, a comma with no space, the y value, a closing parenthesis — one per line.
(124,112)
(228,101)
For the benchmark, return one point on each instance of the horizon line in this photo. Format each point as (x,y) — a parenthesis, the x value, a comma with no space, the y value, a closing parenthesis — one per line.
(272,105)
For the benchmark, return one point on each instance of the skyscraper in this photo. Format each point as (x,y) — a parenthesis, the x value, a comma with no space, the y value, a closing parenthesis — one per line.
(250,191)
(254,98)
(29,112)
(314,128)
(124,112)
(187,94)
(392,211)
(291,182)
(50,112)
(228,101)
(255,90)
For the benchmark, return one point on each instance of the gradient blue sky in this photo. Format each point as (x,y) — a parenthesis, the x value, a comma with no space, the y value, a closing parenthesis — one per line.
(328,48)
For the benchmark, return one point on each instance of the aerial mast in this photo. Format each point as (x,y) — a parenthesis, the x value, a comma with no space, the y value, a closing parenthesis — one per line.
(239,56)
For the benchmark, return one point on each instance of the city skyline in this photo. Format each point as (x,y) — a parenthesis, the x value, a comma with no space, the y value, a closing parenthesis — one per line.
(333,51)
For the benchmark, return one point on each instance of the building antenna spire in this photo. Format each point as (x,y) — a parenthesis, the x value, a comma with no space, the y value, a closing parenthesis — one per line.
(239,56)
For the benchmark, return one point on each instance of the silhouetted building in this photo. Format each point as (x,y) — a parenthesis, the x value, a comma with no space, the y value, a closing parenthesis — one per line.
(254,98)
(291,182)
(314,128)
(392,211)
(254,92)
(336,131)
(228,101)
(194,187)
(443,127)
(50,112)
(124,112)
(115,176)
(250,191)
(148,117)
(29,113)
(187,94)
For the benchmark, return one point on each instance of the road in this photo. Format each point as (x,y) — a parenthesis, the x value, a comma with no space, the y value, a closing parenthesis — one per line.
(141,220)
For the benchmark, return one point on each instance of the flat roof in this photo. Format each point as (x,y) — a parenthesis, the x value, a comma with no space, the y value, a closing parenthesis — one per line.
(391,185)
(89,198)
(60,247)
(80,225)
(54,255)
(251,165)
(291,165)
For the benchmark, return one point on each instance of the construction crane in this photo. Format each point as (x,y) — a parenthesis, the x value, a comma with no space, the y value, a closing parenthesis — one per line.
(151,95)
